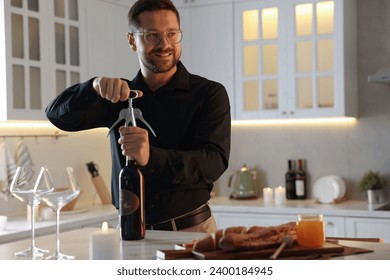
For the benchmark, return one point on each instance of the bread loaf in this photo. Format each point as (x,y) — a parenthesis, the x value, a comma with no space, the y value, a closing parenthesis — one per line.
(206,244)
(241,238)
(262,238)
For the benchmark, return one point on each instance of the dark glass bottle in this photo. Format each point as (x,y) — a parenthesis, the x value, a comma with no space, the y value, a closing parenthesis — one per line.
(290,181)
(300,182)
(131,199)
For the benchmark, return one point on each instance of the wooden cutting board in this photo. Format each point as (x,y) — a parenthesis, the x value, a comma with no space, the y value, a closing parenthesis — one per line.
(295,250)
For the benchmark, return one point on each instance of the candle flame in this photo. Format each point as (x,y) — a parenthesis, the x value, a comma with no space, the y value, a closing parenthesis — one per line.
(104,226)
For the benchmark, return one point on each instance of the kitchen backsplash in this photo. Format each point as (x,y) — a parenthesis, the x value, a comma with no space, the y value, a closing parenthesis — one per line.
(76,150)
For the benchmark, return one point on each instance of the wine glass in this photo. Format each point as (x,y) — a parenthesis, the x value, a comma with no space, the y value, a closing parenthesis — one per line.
(28,185)
(65,190)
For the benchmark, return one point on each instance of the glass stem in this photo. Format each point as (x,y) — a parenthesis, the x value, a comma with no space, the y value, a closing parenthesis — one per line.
(32,226)
(58,230)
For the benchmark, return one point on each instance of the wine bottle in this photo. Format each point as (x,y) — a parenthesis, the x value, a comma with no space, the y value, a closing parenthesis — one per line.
(131,208)
(300,182)
(290,181)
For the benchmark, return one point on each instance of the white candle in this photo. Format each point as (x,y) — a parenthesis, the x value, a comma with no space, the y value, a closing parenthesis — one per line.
(280,195)
(3,223)
(267,195)
(104,244)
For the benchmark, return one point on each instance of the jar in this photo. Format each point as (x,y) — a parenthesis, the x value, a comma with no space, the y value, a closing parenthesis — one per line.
(310,230)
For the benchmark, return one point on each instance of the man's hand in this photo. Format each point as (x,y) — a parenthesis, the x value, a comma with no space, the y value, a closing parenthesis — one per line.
(112,89)
(135,143)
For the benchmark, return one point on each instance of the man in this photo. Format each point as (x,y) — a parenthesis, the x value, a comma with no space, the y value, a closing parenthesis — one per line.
(189,114)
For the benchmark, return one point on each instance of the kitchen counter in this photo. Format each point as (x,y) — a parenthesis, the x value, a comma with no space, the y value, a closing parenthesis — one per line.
(76,243)
(348,208)
(18,228)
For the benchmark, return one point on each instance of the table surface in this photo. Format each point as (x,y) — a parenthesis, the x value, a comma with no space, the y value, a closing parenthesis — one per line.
(76,243)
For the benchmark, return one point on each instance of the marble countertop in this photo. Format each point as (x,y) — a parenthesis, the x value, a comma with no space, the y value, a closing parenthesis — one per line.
(348,208)
(18,228)
(76,243)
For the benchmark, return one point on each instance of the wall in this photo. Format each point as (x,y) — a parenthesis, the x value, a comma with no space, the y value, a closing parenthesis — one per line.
(346,150)
(76,150)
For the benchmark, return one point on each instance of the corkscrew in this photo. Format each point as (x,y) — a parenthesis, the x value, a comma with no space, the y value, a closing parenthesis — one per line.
(130,114)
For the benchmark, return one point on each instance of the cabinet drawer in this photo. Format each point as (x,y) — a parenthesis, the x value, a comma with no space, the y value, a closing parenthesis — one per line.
(368,227)
(237,219)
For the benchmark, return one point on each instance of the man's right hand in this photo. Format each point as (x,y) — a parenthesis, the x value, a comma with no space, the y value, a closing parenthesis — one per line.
(112,89)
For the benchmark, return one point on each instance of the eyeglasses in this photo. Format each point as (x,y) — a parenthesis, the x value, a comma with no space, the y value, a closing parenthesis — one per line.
(173,36)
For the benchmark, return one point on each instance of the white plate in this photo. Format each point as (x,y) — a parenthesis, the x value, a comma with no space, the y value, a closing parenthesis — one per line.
(329,188)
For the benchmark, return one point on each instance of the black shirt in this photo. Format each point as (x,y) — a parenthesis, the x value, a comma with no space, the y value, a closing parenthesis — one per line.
(191,118)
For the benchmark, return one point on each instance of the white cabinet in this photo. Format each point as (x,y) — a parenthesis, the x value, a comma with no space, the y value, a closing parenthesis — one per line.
(295,59)
(207,45)
(228,219)
(334,226)
(109,53)
(42,49)
(368,227)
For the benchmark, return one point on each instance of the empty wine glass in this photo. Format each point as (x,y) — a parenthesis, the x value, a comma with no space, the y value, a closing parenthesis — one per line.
(65,190)
(29,185)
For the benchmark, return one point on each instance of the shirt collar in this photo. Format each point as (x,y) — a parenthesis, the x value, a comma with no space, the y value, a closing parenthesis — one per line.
(180,80)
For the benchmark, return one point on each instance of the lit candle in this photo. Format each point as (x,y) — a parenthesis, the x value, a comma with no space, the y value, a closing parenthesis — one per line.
(3,223)
(280,195)
(267,195)
(104,244)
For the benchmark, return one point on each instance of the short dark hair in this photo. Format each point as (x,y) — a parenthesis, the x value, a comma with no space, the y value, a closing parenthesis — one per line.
(148,5)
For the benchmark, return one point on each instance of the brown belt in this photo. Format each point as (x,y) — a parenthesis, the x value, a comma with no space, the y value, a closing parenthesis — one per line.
(188,220)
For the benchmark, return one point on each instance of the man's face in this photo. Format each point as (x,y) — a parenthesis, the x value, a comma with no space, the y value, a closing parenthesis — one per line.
(162,56)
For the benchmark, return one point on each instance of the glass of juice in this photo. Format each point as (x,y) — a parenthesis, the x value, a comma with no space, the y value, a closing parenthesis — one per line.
(310,230)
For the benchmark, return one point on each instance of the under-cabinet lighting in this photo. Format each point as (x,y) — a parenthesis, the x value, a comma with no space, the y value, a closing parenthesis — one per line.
(319,121)
(26,124)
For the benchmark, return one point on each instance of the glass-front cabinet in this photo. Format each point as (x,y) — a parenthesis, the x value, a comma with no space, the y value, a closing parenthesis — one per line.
(295,59)
(40,51)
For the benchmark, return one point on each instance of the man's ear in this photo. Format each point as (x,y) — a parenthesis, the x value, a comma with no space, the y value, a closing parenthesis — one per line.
(131,41)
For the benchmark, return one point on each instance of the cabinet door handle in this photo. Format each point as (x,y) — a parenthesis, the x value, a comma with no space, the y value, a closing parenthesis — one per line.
(330,224)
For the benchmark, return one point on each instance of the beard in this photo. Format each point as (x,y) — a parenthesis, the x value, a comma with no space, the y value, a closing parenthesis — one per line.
(156,66)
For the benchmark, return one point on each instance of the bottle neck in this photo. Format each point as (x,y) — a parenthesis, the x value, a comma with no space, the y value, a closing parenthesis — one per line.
(300,165)
(130,161)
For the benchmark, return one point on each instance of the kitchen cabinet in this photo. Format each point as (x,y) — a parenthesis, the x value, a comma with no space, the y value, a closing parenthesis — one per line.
(295,59)
(207,45)
(43,51)
(225,220)
(109,53)
(334,226)
(368,227)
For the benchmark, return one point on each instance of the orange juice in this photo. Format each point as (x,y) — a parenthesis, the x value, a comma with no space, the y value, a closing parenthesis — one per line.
(310,230)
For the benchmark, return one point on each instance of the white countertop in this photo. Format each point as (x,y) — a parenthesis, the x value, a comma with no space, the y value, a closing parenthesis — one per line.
(76,243)
(18,228)
(348,208)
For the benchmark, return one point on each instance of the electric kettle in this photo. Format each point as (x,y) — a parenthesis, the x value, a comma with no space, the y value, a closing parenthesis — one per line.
(243,183)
